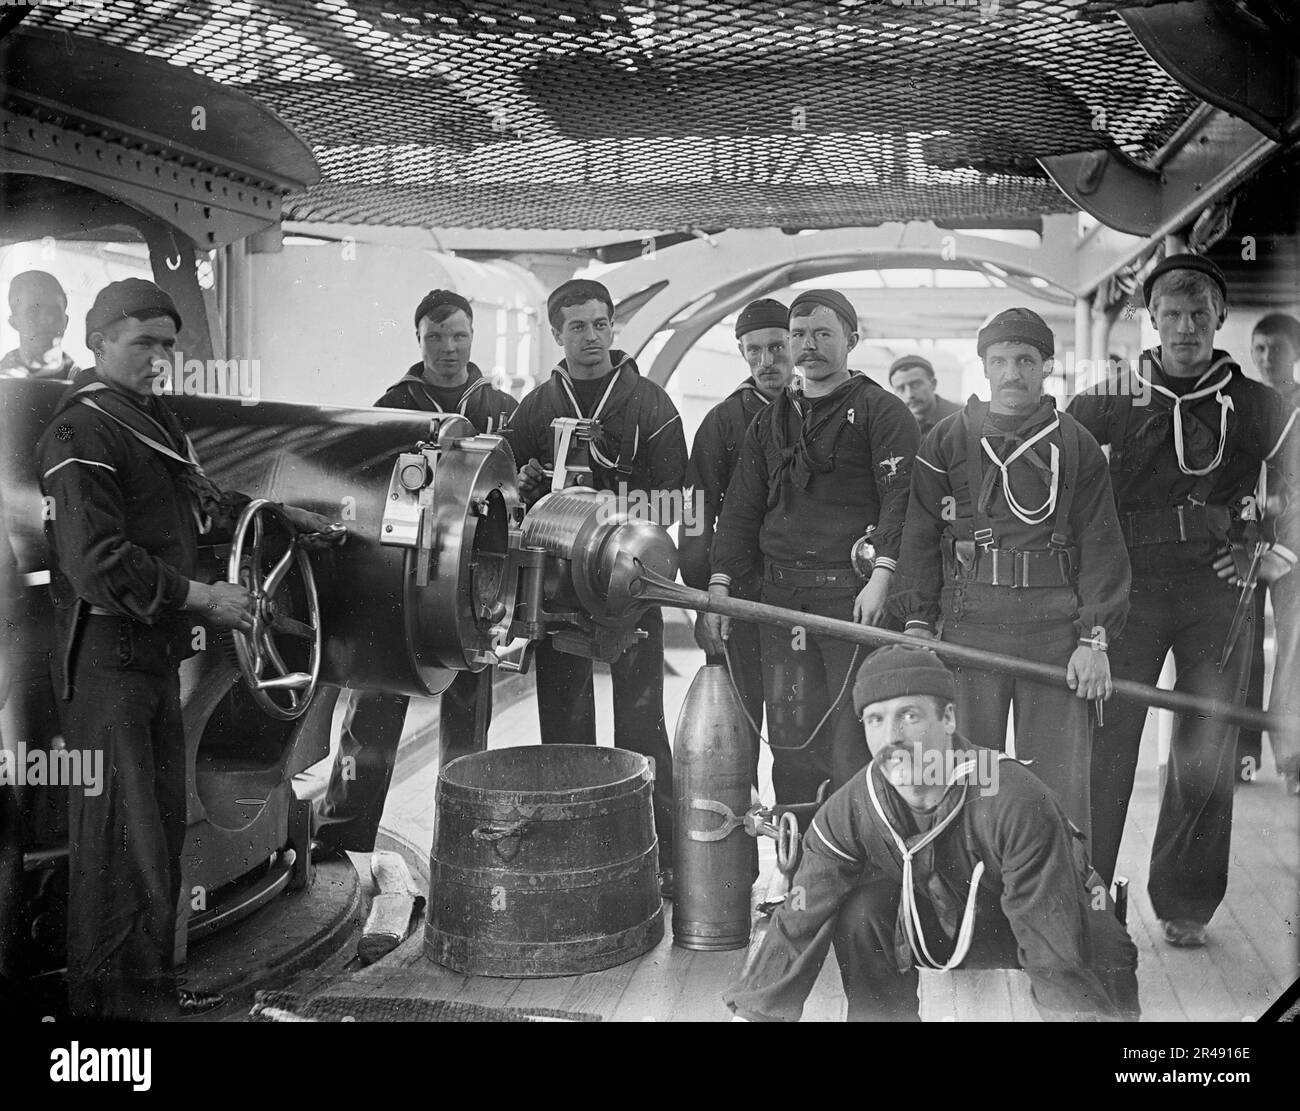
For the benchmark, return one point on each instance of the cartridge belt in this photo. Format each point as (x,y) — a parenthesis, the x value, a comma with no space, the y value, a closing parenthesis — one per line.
(786,575)
(1173,524)
(1009,567)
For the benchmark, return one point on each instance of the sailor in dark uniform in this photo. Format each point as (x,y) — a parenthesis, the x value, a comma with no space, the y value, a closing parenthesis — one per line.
(940,856)
(639,452)
(444,381)
(816,471)
(1275,350)
(1189,434)
(763,336)
(125,504)
(1012,544)
(912,378)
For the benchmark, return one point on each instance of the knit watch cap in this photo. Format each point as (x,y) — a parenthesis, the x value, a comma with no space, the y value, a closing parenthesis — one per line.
(578,291)
(131,297)
(908,361)
(1185,262)
(763,313)
(1017,326)
(898,670)
(436,298)
(832,299)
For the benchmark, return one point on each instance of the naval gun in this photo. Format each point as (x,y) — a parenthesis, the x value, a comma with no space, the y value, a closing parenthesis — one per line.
(442,572)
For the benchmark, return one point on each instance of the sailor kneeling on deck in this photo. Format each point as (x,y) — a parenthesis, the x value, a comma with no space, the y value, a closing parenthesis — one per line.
(975,867)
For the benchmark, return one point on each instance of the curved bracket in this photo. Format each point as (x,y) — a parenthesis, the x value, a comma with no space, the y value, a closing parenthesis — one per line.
(1226,60)
(1214,158)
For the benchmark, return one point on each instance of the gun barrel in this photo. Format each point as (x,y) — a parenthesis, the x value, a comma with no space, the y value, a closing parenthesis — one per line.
(660,590)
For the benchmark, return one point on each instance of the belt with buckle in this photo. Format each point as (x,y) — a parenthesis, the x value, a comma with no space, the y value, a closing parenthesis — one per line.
(1019,570)
(812,576)
(1174,524)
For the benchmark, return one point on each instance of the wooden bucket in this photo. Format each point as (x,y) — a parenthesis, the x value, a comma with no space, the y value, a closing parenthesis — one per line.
(544,862)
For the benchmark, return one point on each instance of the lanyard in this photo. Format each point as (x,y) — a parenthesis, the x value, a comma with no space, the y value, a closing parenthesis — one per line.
(1029,516)
(1225,407)
(596,453)
(910,914)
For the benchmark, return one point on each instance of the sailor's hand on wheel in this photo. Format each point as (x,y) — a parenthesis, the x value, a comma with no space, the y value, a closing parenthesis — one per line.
(920,632)
(1088,673)
(532,480)
(225,605)
(315,530)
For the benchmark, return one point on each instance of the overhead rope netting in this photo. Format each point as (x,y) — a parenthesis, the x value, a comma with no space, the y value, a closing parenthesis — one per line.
(670,116)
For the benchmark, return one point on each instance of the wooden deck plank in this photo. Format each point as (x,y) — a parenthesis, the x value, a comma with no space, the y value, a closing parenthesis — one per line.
(1156,993)
(1198,986)
(1266,843)
(550,993)
(982,995)
(648,995)
(1250,971)
(712,974)
(938,996)
(1022,999)
(599,993)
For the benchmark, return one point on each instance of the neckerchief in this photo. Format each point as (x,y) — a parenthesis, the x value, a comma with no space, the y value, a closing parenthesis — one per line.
(799,458)
(1017,445)
(914,853)
(1194,441)
(162,435)
(622,385)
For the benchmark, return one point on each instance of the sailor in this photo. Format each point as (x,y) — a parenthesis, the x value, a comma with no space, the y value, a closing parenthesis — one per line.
(1189,435)
(38,312)
(763,336)
(639,453)
(444,381)
(912,378)
(126,501)
(1012,545)
(1275,350)
(817,471)
(940,855)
